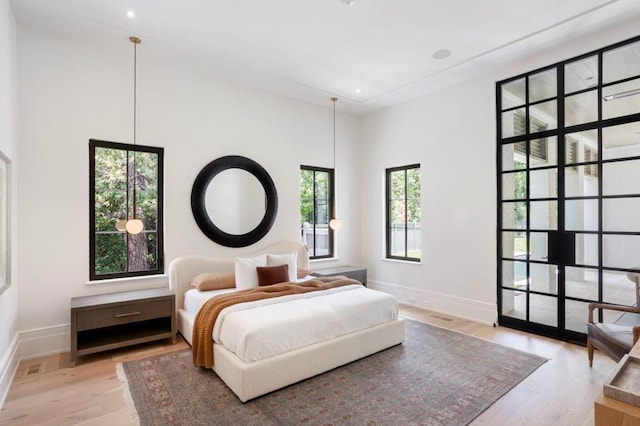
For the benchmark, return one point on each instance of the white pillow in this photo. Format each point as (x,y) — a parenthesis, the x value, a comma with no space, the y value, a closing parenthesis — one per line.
(289,259)
(246,274)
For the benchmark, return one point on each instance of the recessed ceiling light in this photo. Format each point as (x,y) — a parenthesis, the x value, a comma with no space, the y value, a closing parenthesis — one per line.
(441,54)
(347,2)
(131,14)
(357,90)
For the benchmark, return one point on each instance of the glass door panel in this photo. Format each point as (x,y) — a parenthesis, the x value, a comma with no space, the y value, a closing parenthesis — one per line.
(581,215)
(544,183)
(575,314)
(621,141)
(569,227)
(544,215)
(581,283)
(544,278)
(543,310)
(619,288)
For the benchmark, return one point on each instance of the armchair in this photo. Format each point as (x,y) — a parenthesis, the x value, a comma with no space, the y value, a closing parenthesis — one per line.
(615,340)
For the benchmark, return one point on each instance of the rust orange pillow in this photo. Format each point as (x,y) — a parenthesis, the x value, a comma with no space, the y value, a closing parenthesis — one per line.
(268,275)
(213,281)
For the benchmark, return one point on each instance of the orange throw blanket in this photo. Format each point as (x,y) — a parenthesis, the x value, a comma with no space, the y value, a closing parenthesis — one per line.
(202,341)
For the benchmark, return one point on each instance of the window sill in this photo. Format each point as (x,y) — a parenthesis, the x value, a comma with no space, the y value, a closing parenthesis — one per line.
(324,259)
(156,277)
(409,262)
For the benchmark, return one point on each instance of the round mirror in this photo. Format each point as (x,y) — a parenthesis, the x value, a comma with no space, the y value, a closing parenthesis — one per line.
(239,206)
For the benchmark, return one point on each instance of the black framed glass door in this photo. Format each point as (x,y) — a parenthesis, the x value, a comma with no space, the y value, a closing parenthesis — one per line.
(568,159)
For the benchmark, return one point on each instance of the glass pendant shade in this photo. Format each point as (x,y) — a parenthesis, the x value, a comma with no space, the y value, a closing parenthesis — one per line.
(134,226)
(335,224)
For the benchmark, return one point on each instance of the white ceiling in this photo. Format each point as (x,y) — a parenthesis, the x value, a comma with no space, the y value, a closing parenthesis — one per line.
(314,49)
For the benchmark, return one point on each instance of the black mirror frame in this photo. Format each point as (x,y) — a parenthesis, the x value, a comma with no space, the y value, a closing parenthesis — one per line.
(199,208)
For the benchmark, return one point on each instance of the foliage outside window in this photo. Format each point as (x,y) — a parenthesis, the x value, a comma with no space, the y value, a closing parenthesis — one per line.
(403,213)
(114,170)
(316,210)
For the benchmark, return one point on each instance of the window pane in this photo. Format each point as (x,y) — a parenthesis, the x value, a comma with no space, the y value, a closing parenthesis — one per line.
(513,156)
(544,183)
(621,141)
(315,211)
(544,152)
(514,244)
(514,274)
(513,123)
(543,278)
(513,94)
(540,246)
(580,181)
(581,108)
(587,249)
(621,214)
(620,63)
(621,178)
(544,215)
(404,233)
(543,85)
(514,186)
(581,283)
(514,304)
(582,74)
(581,215)
(621,99)
(543,117)
(544,310)
(118,173)
(621,251)
(514,215)
(619,287)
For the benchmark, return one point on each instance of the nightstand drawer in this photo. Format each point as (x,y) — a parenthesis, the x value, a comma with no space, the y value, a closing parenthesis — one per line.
(123,314)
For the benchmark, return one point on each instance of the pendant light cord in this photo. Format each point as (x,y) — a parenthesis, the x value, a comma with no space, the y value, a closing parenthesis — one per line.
(136,41)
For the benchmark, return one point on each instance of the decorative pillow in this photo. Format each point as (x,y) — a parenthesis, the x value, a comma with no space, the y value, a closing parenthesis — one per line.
(268,275)
(213,281)
(246,275)
(289,259)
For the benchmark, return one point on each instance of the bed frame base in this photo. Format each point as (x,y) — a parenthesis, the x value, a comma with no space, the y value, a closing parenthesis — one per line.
(255,379)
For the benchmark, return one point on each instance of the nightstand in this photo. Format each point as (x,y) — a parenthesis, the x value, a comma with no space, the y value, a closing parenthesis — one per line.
(109,321)
(355,272)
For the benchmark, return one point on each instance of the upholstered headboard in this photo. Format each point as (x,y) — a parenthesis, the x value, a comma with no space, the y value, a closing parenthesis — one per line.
(184,268)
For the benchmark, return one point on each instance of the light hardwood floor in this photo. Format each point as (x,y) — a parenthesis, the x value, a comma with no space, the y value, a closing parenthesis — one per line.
(561,392)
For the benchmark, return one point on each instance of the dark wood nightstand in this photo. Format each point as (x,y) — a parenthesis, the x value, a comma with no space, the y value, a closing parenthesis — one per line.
(355,272)
(110,321)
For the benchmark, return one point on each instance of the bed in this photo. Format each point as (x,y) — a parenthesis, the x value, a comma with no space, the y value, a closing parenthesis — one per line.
(251,377)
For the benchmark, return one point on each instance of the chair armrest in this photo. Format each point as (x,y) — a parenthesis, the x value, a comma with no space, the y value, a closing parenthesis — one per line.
(636,333)
(611,307)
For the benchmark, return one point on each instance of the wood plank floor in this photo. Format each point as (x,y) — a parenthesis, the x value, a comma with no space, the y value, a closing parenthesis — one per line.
(46,391)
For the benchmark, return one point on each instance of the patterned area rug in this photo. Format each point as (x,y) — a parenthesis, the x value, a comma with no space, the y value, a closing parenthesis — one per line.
(437,377)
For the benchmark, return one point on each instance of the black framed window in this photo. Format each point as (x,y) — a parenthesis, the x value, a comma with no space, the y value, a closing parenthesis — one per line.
(316,210)
(117,173)
(403,213)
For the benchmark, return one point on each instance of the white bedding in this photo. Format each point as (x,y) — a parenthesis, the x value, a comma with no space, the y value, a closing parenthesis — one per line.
(261,329)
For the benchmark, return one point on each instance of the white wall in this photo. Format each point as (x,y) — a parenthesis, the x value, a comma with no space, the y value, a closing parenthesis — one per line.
(70,91)
(8,146)
(451,133)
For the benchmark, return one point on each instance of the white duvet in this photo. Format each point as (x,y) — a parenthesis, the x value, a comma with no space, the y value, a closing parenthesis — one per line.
(264,328)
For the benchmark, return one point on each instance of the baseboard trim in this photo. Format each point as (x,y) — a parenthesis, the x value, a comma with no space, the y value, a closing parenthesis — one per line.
(8,367)
(443,303)
(28,345)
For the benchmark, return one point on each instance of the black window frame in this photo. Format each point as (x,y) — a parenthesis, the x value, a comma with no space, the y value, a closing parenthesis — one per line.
(388,253)
(331,174)
(93,144)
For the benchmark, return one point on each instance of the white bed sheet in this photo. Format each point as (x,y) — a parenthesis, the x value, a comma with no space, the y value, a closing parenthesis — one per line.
(261,329)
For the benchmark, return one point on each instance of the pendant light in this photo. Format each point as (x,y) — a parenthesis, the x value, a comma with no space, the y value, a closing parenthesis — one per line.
(334,223)
(134,225)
